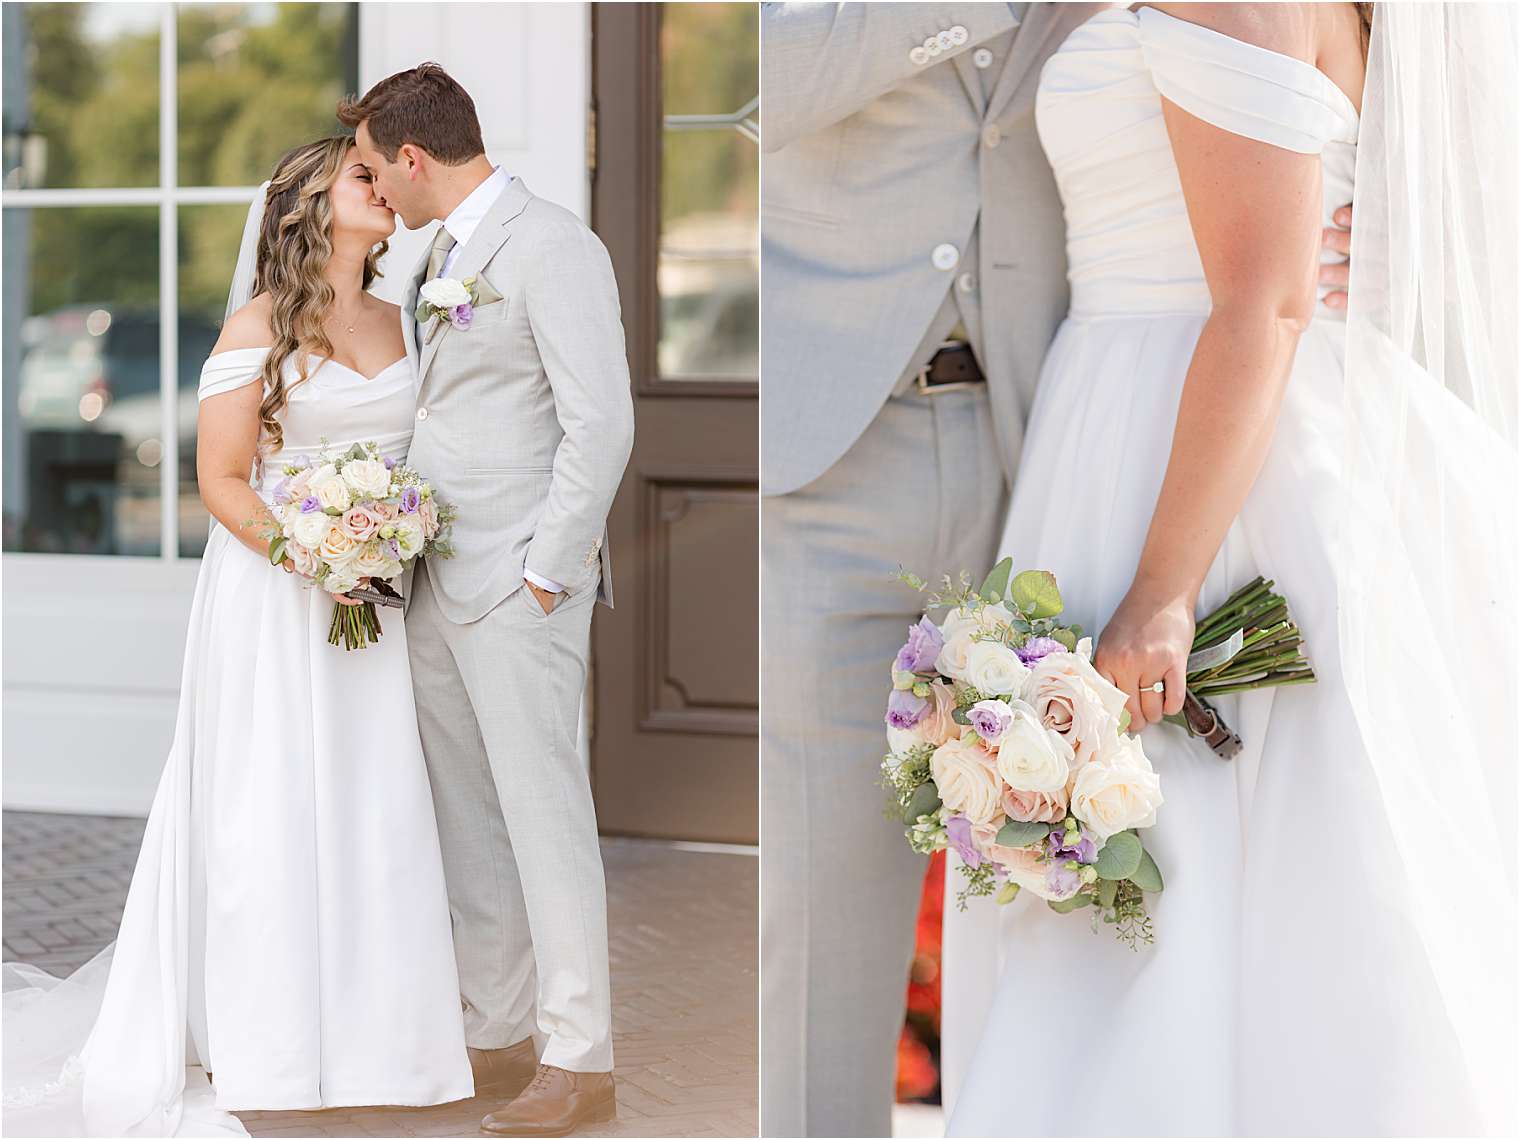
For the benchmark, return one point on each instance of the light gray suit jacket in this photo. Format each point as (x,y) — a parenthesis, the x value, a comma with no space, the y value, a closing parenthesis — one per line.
(874,157)
(525,418)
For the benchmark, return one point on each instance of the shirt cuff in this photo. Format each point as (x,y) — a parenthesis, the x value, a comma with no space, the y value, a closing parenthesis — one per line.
(543,583)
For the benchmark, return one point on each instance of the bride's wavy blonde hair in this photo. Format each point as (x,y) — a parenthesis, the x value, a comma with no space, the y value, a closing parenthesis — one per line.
(295,243)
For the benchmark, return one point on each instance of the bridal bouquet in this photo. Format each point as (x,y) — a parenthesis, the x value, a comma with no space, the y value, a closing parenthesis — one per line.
(1007,746)
(354,520)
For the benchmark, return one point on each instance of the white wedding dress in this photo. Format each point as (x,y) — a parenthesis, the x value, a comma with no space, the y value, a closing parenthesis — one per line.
(1288,991)
(287,928)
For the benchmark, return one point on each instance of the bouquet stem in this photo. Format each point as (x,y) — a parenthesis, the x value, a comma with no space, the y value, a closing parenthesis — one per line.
(354,627)
(1271,653)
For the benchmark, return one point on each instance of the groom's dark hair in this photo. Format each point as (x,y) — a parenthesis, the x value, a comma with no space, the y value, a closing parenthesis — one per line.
(425,107)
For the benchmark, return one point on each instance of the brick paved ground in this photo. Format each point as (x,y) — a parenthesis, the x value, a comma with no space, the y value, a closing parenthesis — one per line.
(684,977)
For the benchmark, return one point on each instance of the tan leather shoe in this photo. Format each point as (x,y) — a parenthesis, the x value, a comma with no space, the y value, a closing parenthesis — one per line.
(555,1103)
(503,1072)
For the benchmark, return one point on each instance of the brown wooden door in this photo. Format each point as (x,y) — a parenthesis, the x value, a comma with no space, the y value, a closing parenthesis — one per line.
(675,683)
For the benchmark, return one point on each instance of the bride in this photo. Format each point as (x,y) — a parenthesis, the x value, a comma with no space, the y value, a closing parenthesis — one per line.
(286,941)
(1334,947)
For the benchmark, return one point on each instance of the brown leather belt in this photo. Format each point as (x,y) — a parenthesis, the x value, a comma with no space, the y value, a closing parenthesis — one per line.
(951,368)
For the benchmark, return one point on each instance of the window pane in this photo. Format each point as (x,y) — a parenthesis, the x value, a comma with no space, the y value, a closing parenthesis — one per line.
(81,95)
(256,80)
(709,195)
(208,249)
(81,388)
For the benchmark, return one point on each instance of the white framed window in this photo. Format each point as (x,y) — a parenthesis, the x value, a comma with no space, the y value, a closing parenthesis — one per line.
(135,136)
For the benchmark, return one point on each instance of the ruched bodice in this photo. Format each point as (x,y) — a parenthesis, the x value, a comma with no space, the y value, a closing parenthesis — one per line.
(335,406)
(1130,249)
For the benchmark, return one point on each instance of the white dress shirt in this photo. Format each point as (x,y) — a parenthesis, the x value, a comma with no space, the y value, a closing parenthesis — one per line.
(461,223)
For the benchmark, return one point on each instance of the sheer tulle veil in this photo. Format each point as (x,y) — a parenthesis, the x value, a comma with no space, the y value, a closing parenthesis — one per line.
(1426,575)
(245,272)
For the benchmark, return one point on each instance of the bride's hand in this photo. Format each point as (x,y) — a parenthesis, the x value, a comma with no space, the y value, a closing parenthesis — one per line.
(1147,640)
(345,600)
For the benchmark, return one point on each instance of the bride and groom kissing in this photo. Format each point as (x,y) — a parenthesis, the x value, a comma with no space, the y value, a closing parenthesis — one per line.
(374,877)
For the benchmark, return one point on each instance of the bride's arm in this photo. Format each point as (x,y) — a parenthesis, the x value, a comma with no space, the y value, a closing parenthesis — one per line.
(226,436)
(1255,213)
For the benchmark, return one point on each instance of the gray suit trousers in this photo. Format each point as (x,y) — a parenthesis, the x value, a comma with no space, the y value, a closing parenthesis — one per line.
(923,488)
(497,704)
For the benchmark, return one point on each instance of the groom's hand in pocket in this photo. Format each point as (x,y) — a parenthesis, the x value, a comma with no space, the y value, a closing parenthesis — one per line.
(545,599)
(1337,274)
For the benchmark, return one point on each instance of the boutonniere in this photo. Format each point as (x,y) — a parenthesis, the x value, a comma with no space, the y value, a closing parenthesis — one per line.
(445,299)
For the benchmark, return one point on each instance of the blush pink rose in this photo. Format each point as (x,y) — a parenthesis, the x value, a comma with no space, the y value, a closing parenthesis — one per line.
(390,512)
(361,522)
(428,512)
(1034,807)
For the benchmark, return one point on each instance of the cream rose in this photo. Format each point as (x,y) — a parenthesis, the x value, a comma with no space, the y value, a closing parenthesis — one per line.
(444,293)
(360,522)
(1071,698)
(367,478)
(1117,793)
(310,528)
(1030,757)
(304,561)
(330,489)
(967,784)
(337,548)
(371,561)
(340,581)
(300,484)
(994,669)
(953,656)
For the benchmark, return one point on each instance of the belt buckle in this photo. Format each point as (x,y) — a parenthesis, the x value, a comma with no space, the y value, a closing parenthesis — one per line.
(921,380)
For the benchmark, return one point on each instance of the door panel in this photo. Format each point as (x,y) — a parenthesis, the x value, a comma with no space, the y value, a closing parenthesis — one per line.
(675,707)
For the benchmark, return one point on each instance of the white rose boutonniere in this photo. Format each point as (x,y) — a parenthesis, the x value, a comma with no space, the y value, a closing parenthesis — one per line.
(445,299)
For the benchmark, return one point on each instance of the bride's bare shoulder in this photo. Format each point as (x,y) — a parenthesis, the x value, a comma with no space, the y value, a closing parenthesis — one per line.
(248,327)
(1284,28)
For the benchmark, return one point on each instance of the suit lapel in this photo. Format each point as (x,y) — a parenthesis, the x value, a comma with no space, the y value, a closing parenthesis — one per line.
(971,81)
(1041,22)
(492,233)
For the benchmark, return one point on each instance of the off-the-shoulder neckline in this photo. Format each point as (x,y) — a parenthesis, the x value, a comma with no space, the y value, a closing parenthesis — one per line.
(329,360)
(1336,92)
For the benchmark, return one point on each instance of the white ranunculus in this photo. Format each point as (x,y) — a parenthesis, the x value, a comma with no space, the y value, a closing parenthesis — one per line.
(994,669)
(409,534)
(340,581)
(310,528)
(1117,793)
(330,488)
(444,293)
(967,784)
(1032,758)
(368,478)
(1071,698)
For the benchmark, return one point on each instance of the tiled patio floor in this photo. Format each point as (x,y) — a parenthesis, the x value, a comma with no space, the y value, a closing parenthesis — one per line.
(684,977)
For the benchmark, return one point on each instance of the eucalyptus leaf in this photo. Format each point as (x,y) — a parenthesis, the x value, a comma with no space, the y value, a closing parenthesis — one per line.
(1147,876)
(1066,906)
(1035,593)
(1107,889)
(924,800)
(1119,856)
(1018,833)
(1124,720)
(277,551)
(1007,893)
(996,582)
(1066,638)
(960,716)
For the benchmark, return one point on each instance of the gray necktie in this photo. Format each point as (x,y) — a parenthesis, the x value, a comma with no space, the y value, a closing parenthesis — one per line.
(443,241)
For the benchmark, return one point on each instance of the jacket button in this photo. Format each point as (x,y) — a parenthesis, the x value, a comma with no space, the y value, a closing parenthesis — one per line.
(422,413)
(966,282)
(945,40)
(982,57)
(991,136)
(959,36)
(945,256)
(918,56)
(932,46)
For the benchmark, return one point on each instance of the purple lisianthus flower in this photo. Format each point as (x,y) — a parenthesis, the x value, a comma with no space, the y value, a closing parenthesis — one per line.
(990,719)
(460,316)
(923,646)
(411,499)
(904,708)
(1037,647)
(310,503)
(1059,847)
(390,463)
(282,492)
(958,831)
(394,547)
(1062,881)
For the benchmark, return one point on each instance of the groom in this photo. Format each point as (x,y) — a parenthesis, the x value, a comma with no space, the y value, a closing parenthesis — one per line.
(525,423)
